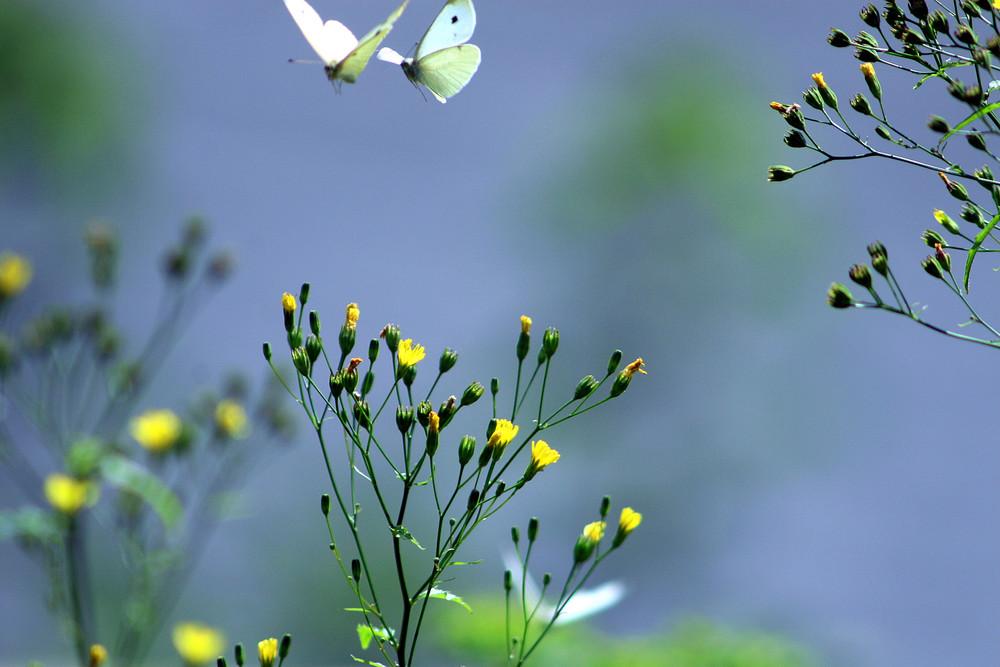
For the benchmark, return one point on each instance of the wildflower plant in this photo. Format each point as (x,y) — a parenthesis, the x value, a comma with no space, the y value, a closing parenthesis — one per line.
(99,470)
(950,45)
(392,475)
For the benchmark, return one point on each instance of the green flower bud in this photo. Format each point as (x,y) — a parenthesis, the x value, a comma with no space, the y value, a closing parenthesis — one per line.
(372,350)
(304,294)
(860,274)
(295,337)
(350,380)
(523,345)
(473,500)
(605,506)
(838,38)
(828,96)
(870,15)
(301,360)
(238,651)
(839,296)
(466,448)
(883,132)
(501,487)
(938,124)
(494,387)
(404,418)
(410,375)
(779,172)
(984,176)
(391,332)
(964,34)
(324,504)
(362,413)
(356,570)
(433,440)
(449,358)
(472,394)
(583,549)
(932,267)
(424,409)
(313,347)
(284,646)
(614,361)
(993,46)
(532,529)
(620,384)
(932,238)
(955,189)
(508,580)
(541,356)
(585,387)
(813,98)
(938,20)
(983,58)
(861,104)
(267,351)
(347,338)
(550,341)
(945,221)
(912,38)
(793,116)
(515,534)
(795,139)
(976,140)
(314,324)
(943,258)
(866,39)
(919,9)
(447,409)
(336,384)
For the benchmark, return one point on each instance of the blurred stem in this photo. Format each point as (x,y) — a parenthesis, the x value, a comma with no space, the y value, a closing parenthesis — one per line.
(76,573)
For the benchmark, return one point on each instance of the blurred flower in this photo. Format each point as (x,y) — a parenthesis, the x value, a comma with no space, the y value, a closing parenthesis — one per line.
(267,650)
(541,456)
(98,654)
(594,531)
(231,419)
(198,644)
(69,495)
(587,542)
(353,312)
(525,324)
(628,522)
(15,274)
(156,430)
(409,354)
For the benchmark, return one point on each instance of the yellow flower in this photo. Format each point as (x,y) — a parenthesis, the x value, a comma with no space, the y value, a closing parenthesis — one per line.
(198,644)
(541,456)
(634,367)
(267,651)
(69,495)
(98,654)
(526,321)
(433,422)
(288,303)
(628,522)
(594,531)
(818,78)
(868,70)
(157,430)
(15,274)
(352,316)
(408,353)
(503,433)
(231,418)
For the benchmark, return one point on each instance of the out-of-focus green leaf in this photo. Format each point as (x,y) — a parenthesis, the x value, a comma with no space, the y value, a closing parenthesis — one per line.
(130,476)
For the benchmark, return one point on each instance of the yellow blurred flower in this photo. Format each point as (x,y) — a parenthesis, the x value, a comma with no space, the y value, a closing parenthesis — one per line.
(15,274)
(525,324)
(198,644)
(98,654)
(288,303)
(408,353)
(353,313)
(594,531)
(231,418)
(67,494)
(267,651)
(627,522)
(157,430)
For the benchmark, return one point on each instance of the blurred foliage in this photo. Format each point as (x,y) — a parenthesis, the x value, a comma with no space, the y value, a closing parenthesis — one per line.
(67,106)
(694,642)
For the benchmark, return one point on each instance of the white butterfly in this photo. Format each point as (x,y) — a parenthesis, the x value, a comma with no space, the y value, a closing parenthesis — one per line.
(443,62)
(585,602)
(344,56)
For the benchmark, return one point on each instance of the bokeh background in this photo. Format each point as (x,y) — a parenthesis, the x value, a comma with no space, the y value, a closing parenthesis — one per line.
(828,477)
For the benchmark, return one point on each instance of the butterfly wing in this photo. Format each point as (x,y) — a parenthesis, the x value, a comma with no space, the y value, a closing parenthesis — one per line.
(351,66)
(446,72)
(453,26)
(331,41)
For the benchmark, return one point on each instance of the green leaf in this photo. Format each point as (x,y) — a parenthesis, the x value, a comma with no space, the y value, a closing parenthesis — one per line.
(366,633)
(367,662)
(445,595)
(29,524)
(980,237)
(402,533)
(467,562)
(979,113)
(938,73)
(131,476)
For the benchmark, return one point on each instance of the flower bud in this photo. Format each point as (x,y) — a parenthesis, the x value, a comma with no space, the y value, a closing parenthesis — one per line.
(793,116)
(976,140)
(301,360)
(984,176)
(508,580)
(501,487)
(838,38)
(585,387)
(472,394)
(404,418)
(812,98)
(267,351)
(494,387)
(324,504)
(861,104)
(932,238)
(336,383)
(424,409)
(779,172)
(938,21)
(284,646)
(938,124)
(466,448)
(314,324)
(473,500)
(238,651)
(532,529)
(918,8)
(825,92)
(347,338)
(955,189)
(447,410)
(362,413)
(304,294)
(288,309)
(993,46)
(945,221)
(391,335)
(523,345)
(350,380)
(605,506)
(883,132)
(839,296)
(795,139)
(869,14)
(373,350)
(356,570)
(409,375)
(449,358)
(433,434)
(932,267)
(313,347)
(614,361)
(971,214)
(964,34)
(550,341)
(515,534)
(874,86)
(943,258)
(860,274)
(620,384)
(295,337)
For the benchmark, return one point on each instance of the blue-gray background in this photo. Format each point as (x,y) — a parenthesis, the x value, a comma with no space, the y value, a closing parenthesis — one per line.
(825,475)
